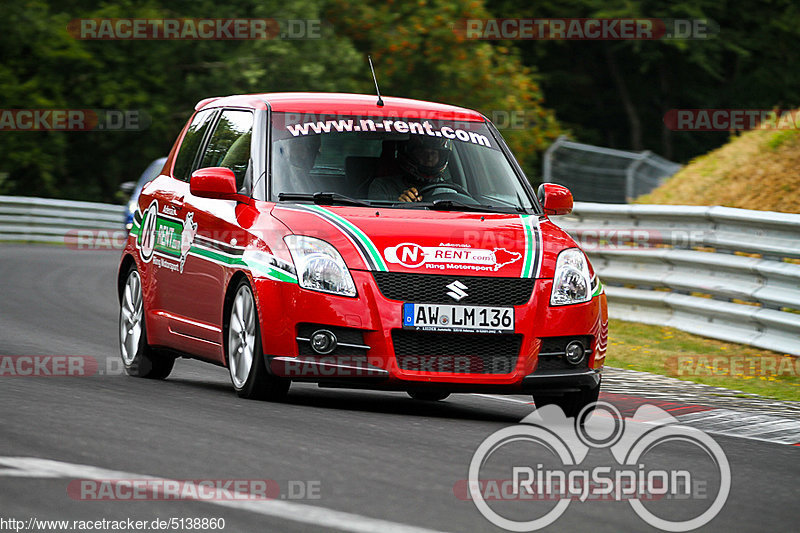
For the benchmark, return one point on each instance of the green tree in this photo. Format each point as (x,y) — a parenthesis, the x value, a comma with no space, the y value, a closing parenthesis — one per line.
(419,54)
(615,93)
(46,67)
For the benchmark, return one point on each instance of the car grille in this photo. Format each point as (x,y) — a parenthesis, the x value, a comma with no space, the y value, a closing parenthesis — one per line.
(433,288)
(424,351)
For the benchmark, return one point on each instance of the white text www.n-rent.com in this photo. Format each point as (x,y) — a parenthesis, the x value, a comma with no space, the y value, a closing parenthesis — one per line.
(388,126)
(104,524)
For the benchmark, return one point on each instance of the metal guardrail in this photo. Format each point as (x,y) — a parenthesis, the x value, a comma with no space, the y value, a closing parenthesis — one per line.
(724,273)
(25,219)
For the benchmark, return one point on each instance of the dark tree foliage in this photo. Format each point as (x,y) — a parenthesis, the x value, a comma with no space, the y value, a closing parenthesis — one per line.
(615,93)
(44,67)
(609,93)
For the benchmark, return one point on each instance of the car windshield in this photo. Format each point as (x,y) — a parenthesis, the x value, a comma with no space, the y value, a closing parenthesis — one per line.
(372,161)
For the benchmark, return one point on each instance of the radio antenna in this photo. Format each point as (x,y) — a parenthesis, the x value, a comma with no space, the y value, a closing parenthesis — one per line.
(380,101)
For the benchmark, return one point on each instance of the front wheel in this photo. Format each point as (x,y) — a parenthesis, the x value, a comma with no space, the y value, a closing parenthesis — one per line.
(139,358)
(245,356)
(572,403)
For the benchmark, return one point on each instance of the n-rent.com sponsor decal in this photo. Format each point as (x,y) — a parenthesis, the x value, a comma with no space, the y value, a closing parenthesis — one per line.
(387,126)
(412,255)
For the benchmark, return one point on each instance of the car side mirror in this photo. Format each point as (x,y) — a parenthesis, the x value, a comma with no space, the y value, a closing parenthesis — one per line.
(214,182)
(127,186)
(555,199)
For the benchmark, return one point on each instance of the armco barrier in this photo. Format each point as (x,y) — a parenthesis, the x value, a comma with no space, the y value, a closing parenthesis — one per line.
(24,219)
(729,274)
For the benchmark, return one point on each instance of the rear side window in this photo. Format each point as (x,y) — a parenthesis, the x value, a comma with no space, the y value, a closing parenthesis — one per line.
(191,143)
(229,146)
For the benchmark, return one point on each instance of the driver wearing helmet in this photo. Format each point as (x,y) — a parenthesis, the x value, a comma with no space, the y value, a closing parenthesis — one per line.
(423,160)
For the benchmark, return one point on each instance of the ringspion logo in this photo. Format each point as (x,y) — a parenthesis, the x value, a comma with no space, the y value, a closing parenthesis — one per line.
(548,465)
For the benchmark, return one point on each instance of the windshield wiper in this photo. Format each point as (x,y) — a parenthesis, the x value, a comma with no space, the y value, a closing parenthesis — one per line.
(323,198)
(455,205)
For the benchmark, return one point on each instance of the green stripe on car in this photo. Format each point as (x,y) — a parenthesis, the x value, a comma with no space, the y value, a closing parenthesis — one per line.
(265,269)
(598,290)
(530,246)
(357,234)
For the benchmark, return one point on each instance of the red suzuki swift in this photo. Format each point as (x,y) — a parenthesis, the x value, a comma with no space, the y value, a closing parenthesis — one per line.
(352,242)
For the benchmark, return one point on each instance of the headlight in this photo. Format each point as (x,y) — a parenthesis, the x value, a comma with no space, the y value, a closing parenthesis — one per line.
(132,206)
(319,266)
(571,284)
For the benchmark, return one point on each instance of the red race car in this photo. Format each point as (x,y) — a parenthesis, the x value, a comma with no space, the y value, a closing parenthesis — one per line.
(353,242)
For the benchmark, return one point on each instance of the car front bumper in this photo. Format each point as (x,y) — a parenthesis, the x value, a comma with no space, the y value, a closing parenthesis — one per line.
(373,323)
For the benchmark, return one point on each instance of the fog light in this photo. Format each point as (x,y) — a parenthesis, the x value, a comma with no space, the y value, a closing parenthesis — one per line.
(574,353)
(323,341)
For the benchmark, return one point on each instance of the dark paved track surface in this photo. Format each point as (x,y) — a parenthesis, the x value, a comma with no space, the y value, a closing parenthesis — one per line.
(375,455)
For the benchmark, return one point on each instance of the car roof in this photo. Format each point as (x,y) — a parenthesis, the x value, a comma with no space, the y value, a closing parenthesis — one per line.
(344,104)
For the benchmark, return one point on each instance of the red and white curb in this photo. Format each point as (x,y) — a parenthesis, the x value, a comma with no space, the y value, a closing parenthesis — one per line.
(710,409)
(714,410)
(716,420)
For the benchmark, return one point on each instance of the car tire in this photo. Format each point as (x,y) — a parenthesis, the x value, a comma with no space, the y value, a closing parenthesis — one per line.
(572,403)
(428,396)
(244,352)
(139,358)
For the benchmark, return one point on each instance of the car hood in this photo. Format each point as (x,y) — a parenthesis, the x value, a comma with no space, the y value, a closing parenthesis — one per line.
(432,242)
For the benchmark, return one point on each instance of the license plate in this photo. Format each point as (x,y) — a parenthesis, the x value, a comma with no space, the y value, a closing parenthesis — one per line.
(462,318)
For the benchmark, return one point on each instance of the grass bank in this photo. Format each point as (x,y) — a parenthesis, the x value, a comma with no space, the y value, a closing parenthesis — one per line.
(675,353)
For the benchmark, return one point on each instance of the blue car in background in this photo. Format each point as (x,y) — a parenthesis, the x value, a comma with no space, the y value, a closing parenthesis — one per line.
(135,188)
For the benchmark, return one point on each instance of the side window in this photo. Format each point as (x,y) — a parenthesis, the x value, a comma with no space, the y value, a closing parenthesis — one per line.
(229,146)
(191,143)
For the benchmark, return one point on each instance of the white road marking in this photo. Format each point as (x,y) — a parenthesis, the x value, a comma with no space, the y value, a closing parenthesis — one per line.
(293,511)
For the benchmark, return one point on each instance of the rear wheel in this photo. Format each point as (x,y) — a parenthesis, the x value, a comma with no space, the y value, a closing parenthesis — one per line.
(428,396)
(572,403)
(139,358)
(245,355)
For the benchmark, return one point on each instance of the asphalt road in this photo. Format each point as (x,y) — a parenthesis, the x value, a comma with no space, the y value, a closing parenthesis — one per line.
(372,461)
